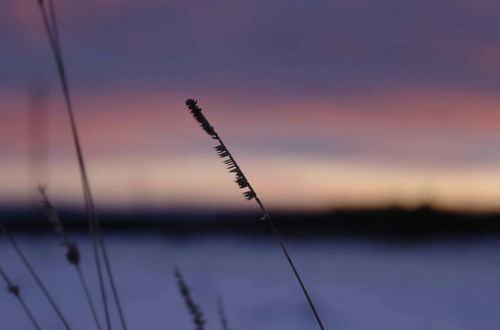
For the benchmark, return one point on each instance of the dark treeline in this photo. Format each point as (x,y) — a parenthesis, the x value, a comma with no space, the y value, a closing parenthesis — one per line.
(397,223)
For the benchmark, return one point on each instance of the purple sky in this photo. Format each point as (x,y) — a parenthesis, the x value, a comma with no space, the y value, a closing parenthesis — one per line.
(327,103)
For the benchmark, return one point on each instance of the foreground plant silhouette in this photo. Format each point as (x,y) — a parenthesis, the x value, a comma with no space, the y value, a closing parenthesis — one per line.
(16,292)
(194,310)
(249,193)
(49,17)
(222,314)
(72,251)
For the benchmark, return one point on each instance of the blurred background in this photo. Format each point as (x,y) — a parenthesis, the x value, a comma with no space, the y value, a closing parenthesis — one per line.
(370,128)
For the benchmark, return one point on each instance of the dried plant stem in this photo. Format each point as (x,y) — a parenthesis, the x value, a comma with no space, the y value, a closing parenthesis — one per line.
(279,238)
(194,310)
(51,27)
(86,290)
(35,276)
(250,194)
(38,125)
(222,314)
(72,254)
(52,34)
(14,290)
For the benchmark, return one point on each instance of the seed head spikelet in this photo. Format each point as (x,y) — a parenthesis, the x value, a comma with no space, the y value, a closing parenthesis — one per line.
(72,252)
(222,314)
(19,252)
(221,149)
(249,194)
(16,292)
(52,215)
(14,289)
(198,115)
(194,310)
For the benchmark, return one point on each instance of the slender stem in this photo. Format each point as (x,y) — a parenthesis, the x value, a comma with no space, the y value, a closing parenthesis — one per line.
(85,287)
(35,276)
(222,314)
(15,291)
(28,312)
(59,226)
(55,28)
(111,278)
(267,217)
(50,27)
(94,225)
(295,271)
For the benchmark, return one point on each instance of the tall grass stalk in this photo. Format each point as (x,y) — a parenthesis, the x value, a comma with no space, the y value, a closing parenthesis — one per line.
(34,274)
(249,194)
(50,22)
(194,310)
(38,125)
(16,292)
(72,252)
(222,314)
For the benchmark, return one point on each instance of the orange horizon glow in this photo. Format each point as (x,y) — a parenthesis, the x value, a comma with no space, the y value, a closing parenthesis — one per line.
(162,158)
(335,104)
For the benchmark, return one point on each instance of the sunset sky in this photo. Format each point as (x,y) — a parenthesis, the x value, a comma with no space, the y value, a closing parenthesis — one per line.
(348,103)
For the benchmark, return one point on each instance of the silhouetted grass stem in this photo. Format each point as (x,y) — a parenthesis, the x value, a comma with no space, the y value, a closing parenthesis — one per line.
(250,194)
(35,276)
(222,314)
(194,310)
(72,253)
(15,291)
(50,23)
